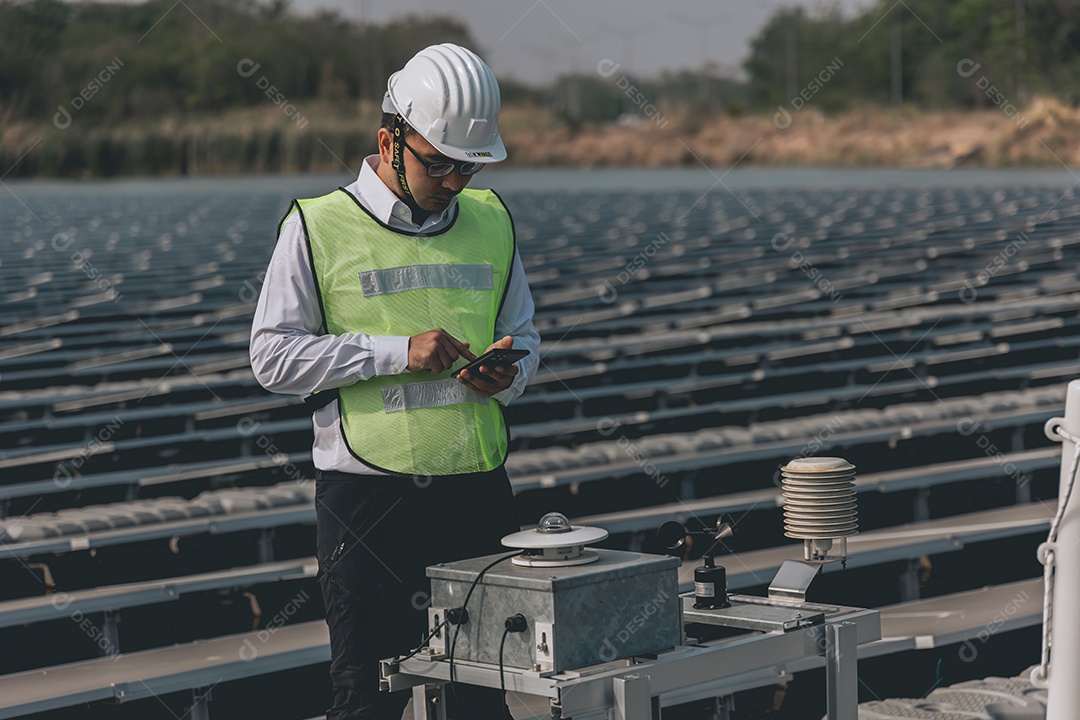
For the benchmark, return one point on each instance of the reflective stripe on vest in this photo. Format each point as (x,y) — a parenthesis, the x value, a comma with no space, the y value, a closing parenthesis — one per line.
(413,396)
(381,282)
(419,277)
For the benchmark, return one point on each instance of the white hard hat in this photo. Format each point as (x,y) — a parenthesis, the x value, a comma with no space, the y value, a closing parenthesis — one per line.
(451,97)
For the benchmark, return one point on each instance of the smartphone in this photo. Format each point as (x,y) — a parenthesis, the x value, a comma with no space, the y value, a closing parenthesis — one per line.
(498,356)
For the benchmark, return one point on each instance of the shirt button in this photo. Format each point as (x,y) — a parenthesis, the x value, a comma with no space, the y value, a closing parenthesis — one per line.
(400,211)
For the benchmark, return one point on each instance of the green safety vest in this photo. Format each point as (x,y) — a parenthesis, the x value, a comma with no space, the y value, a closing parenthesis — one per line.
(379,281)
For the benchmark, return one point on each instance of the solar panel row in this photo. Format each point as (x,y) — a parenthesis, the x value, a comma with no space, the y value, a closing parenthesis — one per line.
(692,344)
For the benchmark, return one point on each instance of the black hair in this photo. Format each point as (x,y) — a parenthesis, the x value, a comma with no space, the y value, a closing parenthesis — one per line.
(388,123)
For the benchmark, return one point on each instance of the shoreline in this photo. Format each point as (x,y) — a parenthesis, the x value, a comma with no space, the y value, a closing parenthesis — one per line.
(258,141)
(576,180)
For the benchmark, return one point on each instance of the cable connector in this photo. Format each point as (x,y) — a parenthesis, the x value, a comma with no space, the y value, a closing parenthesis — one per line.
(457,616)
(516,624)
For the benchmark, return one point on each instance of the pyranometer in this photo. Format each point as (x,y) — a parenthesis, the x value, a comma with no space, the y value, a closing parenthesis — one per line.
(554,542)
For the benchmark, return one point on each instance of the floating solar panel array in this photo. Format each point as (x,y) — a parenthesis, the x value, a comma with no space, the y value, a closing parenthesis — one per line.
(692,344)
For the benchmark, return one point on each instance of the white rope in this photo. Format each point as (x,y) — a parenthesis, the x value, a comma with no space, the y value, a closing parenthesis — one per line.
(1066,435)
(1042,673)
(1047,556)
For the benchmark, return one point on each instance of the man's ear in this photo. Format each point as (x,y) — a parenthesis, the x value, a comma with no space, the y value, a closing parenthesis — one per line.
(386,146)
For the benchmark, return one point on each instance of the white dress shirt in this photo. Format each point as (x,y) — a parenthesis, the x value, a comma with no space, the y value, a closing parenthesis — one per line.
(289,353)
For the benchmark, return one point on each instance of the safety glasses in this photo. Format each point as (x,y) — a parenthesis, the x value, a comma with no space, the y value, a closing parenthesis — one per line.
(445,167)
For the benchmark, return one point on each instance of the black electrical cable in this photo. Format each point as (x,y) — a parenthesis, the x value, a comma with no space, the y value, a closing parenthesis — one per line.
(513,624)
(502,678)
(425,641)
(464,606)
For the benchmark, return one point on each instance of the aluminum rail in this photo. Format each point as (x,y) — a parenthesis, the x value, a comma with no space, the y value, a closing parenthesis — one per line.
(630,690)
(150,673)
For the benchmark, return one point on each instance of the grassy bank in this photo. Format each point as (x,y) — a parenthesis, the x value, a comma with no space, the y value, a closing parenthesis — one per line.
(1044,134)
(329,137)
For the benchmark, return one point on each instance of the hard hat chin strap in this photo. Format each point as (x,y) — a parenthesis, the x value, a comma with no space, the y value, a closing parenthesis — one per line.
(397,162)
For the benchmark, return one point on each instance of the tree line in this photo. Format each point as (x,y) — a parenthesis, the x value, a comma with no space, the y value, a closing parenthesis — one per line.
(161,59)
(928,53)
(192,57)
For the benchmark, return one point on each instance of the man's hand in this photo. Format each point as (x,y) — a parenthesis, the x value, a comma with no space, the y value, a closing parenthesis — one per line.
(435,351)
(501,375)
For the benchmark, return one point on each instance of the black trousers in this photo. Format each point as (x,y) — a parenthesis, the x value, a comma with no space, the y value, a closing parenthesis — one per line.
(376,535)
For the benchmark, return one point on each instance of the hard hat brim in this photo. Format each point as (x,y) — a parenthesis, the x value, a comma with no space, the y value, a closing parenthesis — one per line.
(495,152)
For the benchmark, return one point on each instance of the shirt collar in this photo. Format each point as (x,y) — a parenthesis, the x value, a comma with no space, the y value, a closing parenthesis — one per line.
(388,207)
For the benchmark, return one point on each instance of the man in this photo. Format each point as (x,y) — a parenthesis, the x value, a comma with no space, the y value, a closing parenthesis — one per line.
(374,293)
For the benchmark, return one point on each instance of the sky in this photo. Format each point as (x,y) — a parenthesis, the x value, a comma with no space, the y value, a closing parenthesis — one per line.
(535,40)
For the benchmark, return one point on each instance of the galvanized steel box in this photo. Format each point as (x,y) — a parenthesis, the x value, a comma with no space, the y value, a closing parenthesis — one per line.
(622,605)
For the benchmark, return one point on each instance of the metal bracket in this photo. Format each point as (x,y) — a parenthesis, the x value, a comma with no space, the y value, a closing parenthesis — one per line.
(909,582)
(633,700)
(110,630)
(266,546)
(922,505)
(544,635)
(720,708)
(793,579)
(754,613)
(200,708)
(842,671)
(429,702)
(440,641)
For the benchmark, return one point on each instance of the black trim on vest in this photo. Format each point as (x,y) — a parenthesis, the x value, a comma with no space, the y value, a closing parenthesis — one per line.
(510,269)
(318,400)
(311,262)
(396,230)
(395,473)
(362,461)
(281,224)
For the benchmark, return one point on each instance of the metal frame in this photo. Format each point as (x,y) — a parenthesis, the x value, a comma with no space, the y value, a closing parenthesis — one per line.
(214,524)
(842,685)
(713,669)
(41,608)
(727,456)
(194,667)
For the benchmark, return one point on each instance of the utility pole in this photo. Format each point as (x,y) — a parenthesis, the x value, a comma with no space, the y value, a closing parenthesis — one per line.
(792,55)
(897,60)
(573,90)
(628,35)
(1021,55)
(547,57)
(702,25)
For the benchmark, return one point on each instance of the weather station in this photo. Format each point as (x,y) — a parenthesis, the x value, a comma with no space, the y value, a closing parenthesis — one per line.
(604,633)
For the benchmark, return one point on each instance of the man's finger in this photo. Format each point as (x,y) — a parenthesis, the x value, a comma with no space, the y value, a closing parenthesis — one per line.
(506,371)
(504,343)
(480,375)
(440,359)
(487,389)
(463,349)
(470,381)
(448,340)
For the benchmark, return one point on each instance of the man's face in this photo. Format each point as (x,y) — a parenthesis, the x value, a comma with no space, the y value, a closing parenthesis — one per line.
(431,194)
